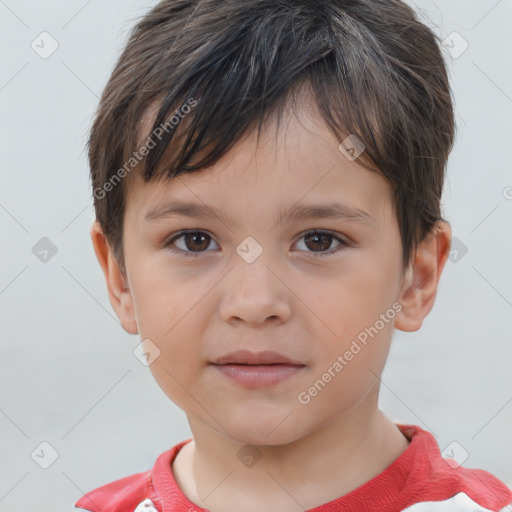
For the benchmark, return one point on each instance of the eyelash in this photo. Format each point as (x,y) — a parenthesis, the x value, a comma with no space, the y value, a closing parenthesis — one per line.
(343,243)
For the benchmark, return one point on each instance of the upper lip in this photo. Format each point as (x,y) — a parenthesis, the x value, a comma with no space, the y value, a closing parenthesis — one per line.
(248,357)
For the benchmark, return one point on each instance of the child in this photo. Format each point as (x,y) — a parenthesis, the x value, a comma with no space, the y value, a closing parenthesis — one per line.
(257,129)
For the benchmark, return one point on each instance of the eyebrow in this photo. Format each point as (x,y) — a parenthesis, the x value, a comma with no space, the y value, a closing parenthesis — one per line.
(298,212)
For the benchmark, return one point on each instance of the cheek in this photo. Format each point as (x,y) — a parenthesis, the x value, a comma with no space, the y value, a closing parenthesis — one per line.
(351,299)
(166,298)
(176,326)
(353,318)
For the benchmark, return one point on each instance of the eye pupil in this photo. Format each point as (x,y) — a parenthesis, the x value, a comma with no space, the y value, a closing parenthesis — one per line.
(326,238)
(191,239)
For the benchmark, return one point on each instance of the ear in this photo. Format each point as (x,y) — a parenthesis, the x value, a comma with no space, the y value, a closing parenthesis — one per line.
(418,292)
(118,291)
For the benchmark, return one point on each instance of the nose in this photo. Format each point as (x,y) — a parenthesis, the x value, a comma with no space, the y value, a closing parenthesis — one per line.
(254,293)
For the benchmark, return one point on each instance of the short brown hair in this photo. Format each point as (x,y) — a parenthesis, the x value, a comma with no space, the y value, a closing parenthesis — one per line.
(374,69)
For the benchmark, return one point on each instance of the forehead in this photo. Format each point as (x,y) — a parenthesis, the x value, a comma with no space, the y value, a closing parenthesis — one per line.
(296,161)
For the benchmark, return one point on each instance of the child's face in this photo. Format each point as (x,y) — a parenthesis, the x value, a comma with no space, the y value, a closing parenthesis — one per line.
(309,309)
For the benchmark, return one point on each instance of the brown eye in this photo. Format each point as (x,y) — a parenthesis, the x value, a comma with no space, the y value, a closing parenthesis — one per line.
(317,243)
(193,243)
(196,241)
(320,242)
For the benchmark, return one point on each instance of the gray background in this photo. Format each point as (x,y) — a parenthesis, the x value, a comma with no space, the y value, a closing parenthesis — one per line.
(68,375)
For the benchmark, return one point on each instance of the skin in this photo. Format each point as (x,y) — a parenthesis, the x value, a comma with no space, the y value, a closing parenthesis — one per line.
(195,309)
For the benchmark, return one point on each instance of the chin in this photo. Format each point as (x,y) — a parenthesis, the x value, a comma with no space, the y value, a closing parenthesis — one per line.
(262,431)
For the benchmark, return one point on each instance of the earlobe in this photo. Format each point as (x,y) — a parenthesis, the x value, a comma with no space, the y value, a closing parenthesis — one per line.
(419,289)
(118,290)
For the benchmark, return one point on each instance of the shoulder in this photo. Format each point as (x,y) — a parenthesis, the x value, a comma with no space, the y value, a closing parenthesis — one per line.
(121,495)
(459,503)
(436,483)
(139,492)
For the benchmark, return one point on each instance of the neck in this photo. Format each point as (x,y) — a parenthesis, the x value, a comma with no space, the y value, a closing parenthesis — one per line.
(303,474)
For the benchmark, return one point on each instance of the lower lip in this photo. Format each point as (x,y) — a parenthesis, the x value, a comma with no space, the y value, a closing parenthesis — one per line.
(258,376)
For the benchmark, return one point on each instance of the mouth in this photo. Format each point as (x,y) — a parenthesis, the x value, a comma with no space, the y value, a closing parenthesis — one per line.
(258,375)
(257,369)
(248,358)
(257,364)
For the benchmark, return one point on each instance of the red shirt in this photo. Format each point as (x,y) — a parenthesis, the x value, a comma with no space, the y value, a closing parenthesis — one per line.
(420,478)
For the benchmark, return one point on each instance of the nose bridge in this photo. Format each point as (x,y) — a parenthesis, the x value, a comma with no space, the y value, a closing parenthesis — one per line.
(253,291)
(252,273)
